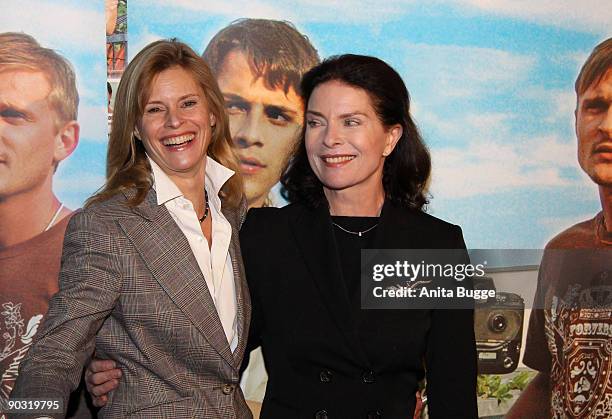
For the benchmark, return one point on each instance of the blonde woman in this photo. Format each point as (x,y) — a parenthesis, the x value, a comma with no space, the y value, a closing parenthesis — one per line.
(152,275)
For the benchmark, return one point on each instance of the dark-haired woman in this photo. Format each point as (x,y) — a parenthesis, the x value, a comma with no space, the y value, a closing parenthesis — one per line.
(357,181)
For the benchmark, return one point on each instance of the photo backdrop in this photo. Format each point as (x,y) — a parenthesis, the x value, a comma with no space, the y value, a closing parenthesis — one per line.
(491,86)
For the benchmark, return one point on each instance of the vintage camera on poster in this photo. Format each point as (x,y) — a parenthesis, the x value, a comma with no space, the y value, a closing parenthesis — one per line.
(498,326)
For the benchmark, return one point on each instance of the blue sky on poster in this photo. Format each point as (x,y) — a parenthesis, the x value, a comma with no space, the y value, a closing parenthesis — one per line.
(492,88)
(75,29)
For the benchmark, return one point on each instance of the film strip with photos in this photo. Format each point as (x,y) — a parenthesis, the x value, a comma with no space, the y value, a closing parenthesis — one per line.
(116,48)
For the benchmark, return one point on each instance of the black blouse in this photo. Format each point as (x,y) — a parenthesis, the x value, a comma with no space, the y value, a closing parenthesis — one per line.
(349,244)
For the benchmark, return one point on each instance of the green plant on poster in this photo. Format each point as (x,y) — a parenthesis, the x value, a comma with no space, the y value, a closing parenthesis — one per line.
(493,386)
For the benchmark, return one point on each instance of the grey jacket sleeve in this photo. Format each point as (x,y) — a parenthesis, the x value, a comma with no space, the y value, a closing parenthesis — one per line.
(89,286)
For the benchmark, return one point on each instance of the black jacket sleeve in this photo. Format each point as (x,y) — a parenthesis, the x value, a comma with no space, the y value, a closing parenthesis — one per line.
(450,359)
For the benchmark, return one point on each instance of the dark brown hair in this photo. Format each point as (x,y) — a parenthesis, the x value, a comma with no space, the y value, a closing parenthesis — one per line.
(276,50)
(406,170)
(595,67)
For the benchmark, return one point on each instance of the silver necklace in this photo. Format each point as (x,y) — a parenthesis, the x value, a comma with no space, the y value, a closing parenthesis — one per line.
(356,233)
(57,213)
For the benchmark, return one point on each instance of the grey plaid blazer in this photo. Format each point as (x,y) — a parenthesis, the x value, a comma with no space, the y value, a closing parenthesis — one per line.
(131,289)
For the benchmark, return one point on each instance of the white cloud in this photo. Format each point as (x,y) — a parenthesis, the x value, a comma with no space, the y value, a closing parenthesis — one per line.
(559,104)
(586,15)
(73,190)
(140,41)
(572,60)
(235,9)
(563,105)
(486,149)
(361,11)
(93,122)
(484,167)
(56,24)
(76,184)
(91,79)
(465,127)
(488,122)
(455,71)
(551,151)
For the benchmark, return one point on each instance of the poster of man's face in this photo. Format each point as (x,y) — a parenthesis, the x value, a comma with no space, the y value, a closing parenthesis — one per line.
(258,64)
(594,130)
(72,30)
(264,122)
(38,130)
(29,131)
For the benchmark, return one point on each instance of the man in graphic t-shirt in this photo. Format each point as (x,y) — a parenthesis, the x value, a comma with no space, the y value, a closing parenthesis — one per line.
(570,330)
(38,129)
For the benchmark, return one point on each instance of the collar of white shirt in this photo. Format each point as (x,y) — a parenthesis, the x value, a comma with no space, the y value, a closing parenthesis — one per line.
(214,263)
(166,189)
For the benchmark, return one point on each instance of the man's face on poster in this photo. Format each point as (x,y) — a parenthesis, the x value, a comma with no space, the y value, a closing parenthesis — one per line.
(594,130)
(30,145)
(264,123)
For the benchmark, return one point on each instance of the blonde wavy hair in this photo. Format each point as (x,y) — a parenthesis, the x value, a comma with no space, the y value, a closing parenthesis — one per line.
(127,166)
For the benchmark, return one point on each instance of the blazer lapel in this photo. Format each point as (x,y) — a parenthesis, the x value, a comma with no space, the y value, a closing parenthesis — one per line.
(167,254)
(243,299)
(394,230)
(314,236)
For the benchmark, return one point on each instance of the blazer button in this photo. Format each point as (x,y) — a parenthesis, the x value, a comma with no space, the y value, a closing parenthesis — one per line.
(321,414)
(368,377)
(325,376)
(375,414)
(227,389)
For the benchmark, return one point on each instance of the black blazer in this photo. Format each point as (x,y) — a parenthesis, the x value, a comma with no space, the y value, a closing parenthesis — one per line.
(316,363)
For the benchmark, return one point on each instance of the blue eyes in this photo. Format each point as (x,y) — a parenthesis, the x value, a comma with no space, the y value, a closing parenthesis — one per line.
(185,105)
(11,113)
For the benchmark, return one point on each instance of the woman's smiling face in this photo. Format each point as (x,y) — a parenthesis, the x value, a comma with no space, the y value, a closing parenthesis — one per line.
(346,142)
(176,124)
